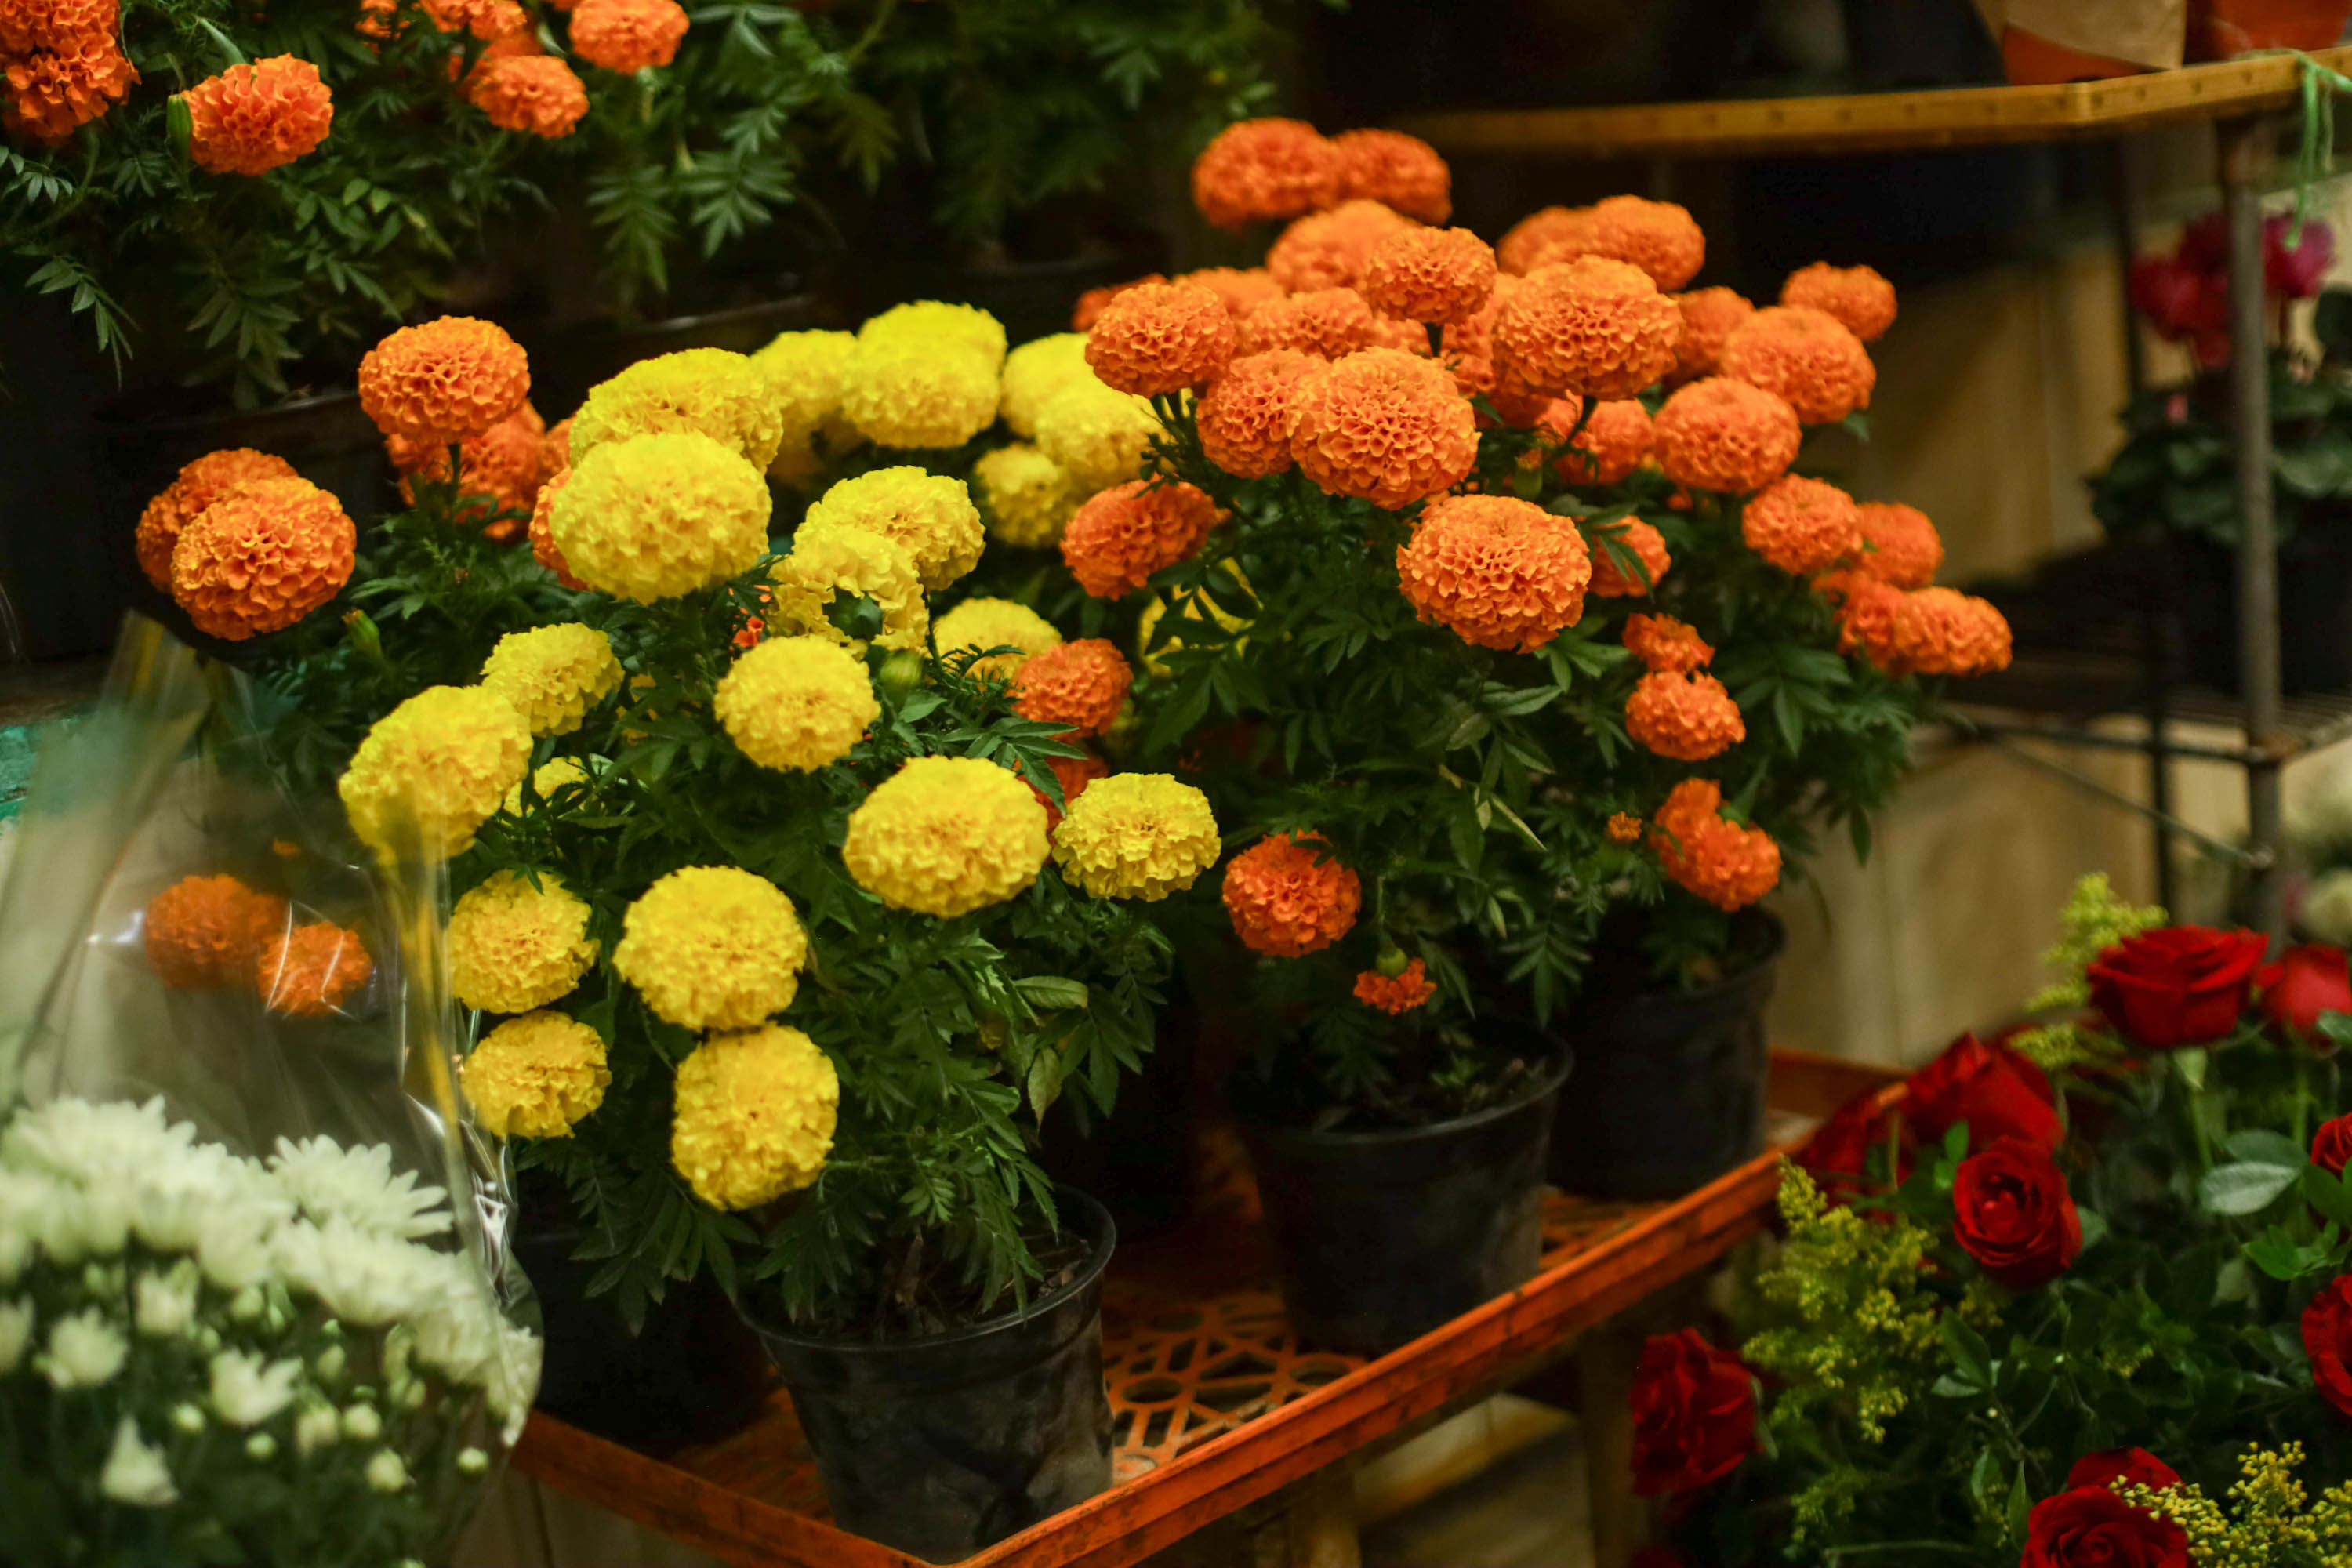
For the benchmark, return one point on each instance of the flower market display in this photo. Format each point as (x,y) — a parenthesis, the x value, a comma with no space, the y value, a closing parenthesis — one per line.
(2079,1296)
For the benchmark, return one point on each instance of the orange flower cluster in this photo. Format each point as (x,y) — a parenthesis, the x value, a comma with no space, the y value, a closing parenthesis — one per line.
(1329,249)
(251,119)
(543,548)
(1242,288)
(1499,572)
(1664,643)
(1660,237)
(1382,427)
(261,558)
(1805,356)
(1396,170)
(489,20)
(1864,608)
(1941,631)
(1710,318)
(534,95)
(36,27)
(1158,337)
(1648,545)
(1900,545)
(312,970)
(1285,902)
(1245,417)
(1688,717)
(1857,295)
(445,381)
(1724,434)
(194,488)
(1092,303)
(204,933)
(1625,827)
(1612,444)
(1396,994)
(1262,169)
(1558,230)
(1800,525)
(627,36)
(1325,322)
(1705,853)
(1428,275)
(1592,326)
(1082,684)
(53,92)
(1124,534)
(508,463)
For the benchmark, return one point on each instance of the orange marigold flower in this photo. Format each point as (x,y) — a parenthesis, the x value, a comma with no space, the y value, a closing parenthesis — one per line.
(312,970)
(536,95)
(1091,304)
(543,548)
(1122,535)
(1592,326)
(1558,230)
(1158,337)
(1474,376)
(1648,547)
(1800,525)
(1554,424)
(1499,572)
(627,36)
(1725,434)
(1941,631)
(1612,444)
(1661,238)
(1073,773)
(1429,275)
(1329,250)
(261,558)
(251,119)
(1405,337)
(1710,318)
(1284,901)
(31,26)
(1900,545)
(1687,716)
(445,381)
(1082,684)
(1244,416)
(52,93)
(1857,295)
(1326,322)
(555,449)
(1266,168)
(1664,643)
(206,932)
(1729,865)
(1243,290)
(1806,356)
(1382,427)
(1475,333)
(489,20)
(1625,827)
(1396,170)
(1864,608)
(1396,994)
(503,463)
(192,489)
(1524,407)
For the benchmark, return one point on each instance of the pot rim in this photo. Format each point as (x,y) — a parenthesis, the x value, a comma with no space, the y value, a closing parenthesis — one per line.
(1778,930)
(608,328)
(1563,1059)
(1106,1232)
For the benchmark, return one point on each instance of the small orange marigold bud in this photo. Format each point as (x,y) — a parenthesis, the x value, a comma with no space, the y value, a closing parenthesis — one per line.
(1401,994)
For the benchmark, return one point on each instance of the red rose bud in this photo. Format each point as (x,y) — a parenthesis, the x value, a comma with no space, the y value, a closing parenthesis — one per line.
(2331,1146)
(2012,1213)
(2306,982)
(2091,1527)
(1693,1414)
(2123,1466)
(2328,1340)
(1837,1156)
(1995,1091)
(2182,985)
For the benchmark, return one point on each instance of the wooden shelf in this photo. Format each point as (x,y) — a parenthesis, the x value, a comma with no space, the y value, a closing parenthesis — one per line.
(1214,1403)
(1881,121)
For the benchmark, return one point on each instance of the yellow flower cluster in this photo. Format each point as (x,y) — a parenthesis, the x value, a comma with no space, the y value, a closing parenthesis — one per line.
(1096,435)
(713,947)
(945,836)
(652,517)
(2269,1520)
(803,371)
(514,947)
(930,516)
(1028,496)
(2094,920)
(551,674)
(547,778)
(796,703)
(830,560)
(445,758)
(983,623)
(754,1116)
(538,1076)
(924,374)
(938,326)
(712,392)
(1034,372)
(1135,836)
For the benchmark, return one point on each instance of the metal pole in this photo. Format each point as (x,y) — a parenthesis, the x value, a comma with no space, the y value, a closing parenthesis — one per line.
(2246,151)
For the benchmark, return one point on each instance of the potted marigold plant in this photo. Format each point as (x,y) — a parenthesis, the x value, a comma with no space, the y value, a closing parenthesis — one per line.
(756,878)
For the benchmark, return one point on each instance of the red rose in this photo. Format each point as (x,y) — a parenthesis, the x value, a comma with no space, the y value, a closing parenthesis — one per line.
(2127,1467)
(1995,1091)
(2331,1146)
(1693,1414)
(2183,985)
(1837,1156)
(2328,1340)
(2012,1213)
(2091,1527)
(2305,981)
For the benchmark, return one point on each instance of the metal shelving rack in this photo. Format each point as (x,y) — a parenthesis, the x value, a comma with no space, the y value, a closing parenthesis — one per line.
(2244,101)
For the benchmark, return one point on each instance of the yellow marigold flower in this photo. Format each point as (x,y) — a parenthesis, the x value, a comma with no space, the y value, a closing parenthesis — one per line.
(945,836)
(1192,604)
(514,947)
(713,947)
(538,1076)
(1135,836)
(983,623)
(796,703)
(550,776)
(1028,498)
(657,516)
(718,393)
(1033,373)
(930,516)
(448,755)
(1096,435)
(829,559)
(551,674)
(803,372)
(935,323)
(905,392)
(754,1117)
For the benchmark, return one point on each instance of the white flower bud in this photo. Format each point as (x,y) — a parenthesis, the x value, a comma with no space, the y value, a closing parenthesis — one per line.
(330,1364)
(473,1462)
(188,1418)
(261,1447)
(84,1351)
(386,1473)
(166,1305)
(247,1305)
(135,1474)
(362,1424)
(316,1428)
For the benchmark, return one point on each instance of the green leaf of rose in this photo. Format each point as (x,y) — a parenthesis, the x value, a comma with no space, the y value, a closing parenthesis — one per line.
(2244,1188)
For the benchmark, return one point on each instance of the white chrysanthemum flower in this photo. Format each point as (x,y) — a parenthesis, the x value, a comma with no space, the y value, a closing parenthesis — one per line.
(164,1305)
(2327,907)
(27,1201)
(235,1250)
(317,1427)
(135,1475)
(332,1183)
(385,1472)
(93,1143)
(362,1279)
(188,1195)
(15,1333)
(85,1351)
(246,1391)
(514,1383)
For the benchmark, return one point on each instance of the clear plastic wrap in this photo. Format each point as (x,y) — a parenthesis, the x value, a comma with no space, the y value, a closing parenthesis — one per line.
(254,1297)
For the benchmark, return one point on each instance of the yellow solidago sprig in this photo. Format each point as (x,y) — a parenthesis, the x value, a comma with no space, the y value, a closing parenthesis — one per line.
(754,1116)
(2267,1524)
(1135,836)
(1034,372)
(832,561)
(654,517)
(2094,920)
(514,946)
(552,674)
(796,703)
(713,947)
(712,392)
(1028,497)
(930,516)
(980,623)
(946,835)
(445,758)
(538,1076)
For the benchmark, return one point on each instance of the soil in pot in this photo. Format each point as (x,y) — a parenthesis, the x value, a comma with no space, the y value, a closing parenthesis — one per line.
(1385,1233)
(947,1442)
(1670,1090)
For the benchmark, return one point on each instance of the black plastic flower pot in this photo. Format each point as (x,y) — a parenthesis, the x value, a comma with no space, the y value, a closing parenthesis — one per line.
(944,1444)
(1137,1161)
(1670,1085)
(1385,1234)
